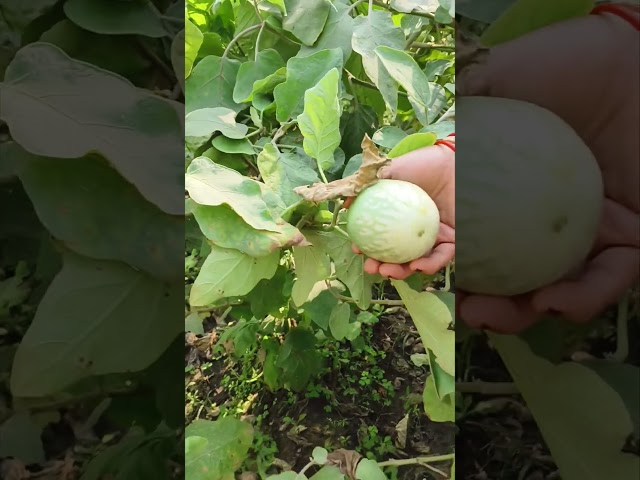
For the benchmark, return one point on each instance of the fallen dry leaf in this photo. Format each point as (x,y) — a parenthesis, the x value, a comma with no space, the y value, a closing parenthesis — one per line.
(349,186)
(345,460)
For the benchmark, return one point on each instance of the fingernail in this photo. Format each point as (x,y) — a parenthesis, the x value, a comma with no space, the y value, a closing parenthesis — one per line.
(384,172)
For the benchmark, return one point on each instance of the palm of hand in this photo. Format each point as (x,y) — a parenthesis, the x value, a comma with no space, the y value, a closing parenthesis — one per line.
(432,169)
(603,53)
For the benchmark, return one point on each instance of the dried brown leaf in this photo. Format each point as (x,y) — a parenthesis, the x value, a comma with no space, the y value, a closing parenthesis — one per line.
(346,461)
(349,186)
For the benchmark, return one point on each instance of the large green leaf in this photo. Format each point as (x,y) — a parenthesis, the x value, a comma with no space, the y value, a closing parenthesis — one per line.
(138,132)
(302,74)
(91,308)
(229,273)
(201,124)
(220,450)
(116,17)
(371,32)
(312,266)
(283,171)
(227,229)
(211,184)
(252,74)
(320,120)
(349,266)
(90,208)
(299,358)
(583,420)
(432,314)
(306,18)
(337,33)
(211,85)
(20,14)
(404,69)
(193,39)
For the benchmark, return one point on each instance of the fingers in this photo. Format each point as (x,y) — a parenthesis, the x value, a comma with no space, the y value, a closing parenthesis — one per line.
(347,203)
(506,315)
(436,260)
(605,279)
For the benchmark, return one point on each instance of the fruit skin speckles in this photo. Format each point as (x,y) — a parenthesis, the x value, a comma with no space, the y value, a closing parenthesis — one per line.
(393,221)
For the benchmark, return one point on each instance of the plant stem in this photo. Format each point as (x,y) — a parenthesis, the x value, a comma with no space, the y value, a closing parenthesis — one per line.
(434,46)
(417,14)
(447,278)
(235,39)
(258,40)
(374,301)
(364,83)
(337,207)
(418,460)
(354,6)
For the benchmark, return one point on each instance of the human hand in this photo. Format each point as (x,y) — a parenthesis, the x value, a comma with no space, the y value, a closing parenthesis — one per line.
(585,71)
(432,169)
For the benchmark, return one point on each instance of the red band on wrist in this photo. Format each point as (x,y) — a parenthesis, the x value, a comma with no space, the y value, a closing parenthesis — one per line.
(630,13)
(446,143)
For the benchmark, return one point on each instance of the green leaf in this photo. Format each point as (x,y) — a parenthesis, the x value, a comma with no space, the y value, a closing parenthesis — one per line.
(95,212)
(317,308)
(234,146)
(280,4)
(114,53)
(211,86)
(228,443)
(83,316)
(193,323)
(20,14)
(410,6)
(441,129)
(136,455)
(200,125)
(116,18)
(352,165)
(339,321)
(371,32)
(135,130)
(303,74)
(20,438)
(178,57)
(337,33)
(439,393)
(320,121)
(212,184)
(404,69)
(312,266)
(226,229)
(526,16)
(306,19)
(432,314)
(282,172)
(354,125)
(252,75)
(349,266)
(193,39)
(270,370)
(411,143)
(388,137)
(369,470)
(299,358)
(230,273)
(583,420)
